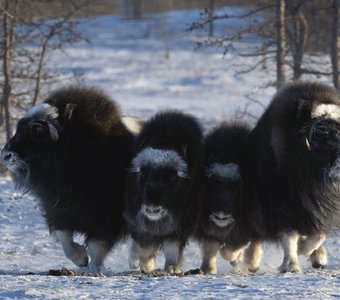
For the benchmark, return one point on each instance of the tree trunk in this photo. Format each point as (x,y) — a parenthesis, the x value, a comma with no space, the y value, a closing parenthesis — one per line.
(211,17)
(335,43)
(299,37)
(281,43)
(9,33)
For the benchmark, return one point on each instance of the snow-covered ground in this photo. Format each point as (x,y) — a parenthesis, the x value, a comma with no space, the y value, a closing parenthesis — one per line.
(145,75)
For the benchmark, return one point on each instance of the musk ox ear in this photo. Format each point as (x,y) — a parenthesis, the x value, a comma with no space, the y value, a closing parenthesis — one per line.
(69,109)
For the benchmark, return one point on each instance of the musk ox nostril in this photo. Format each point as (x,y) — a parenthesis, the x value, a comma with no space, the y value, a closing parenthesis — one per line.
(7,156)
(149,209)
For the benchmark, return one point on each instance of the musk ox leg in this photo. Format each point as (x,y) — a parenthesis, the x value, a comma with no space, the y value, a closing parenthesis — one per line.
(73,251)
(253,256)
(319,258)
(209,254)
(173,252)
(134,255)
(232,255)
(98,250)
(289,242)
(144,257)
(309,244)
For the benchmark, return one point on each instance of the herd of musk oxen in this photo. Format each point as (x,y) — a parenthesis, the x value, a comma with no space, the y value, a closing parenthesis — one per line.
(163,181)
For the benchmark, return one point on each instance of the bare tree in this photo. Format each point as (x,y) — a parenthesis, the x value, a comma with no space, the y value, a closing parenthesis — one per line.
(211,16)
(281,42)
(23,66)
(335,43)
(297,32)
(9,15)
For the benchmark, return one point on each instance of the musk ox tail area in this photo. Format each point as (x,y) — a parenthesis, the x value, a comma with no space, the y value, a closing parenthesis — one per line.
(72,151)
(223,226)
(292,169)
(163,200)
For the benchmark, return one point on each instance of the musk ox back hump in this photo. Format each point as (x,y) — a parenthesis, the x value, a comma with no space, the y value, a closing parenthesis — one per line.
(173,130)
(87,106)
(224,144)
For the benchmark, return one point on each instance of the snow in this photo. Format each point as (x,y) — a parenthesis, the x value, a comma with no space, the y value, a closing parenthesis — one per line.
(145,75)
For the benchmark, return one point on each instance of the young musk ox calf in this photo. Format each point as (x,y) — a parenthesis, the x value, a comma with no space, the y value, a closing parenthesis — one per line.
(222,225)
(72,151)
(292,169)
(163,196)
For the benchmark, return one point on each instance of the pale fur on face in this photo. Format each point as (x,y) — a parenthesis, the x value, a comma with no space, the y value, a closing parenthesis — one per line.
(330,111)
(43,111)
(154,213)
(160,158)
(230,171)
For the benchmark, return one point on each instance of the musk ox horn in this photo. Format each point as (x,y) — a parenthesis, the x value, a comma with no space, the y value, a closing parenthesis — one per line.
(308,145)
(309,139)
(53,131)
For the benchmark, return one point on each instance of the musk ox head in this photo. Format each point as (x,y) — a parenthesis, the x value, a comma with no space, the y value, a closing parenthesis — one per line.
(165,169)
(35,135)
(223,181)
(45,138)
(305,133)
(162,181)
(223,188)
(304,125)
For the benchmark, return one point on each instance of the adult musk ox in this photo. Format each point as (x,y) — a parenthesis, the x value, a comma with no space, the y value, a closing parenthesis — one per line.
(163,192)
(222,225)
(292,170)
(72,151)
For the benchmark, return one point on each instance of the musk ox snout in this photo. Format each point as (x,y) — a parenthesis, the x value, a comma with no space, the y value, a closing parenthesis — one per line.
(6,156)
(153,213)
(221,219)
(10,159)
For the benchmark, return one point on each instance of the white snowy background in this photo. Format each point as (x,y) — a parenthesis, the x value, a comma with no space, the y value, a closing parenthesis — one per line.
(146,69)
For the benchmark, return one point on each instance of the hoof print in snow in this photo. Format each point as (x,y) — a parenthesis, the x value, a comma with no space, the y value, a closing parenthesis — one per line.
(194,272)
(62,272)
(68,272)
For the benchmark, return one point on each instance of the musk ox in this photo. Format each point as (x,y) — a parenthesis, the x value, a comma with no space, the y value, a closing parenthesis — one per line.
(163,196)
(292,172)
(71,151)
(222,225)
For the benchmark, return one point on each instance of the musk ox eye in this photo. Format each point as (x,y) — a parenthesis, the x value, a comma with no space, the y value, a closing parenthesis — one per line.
(38,131)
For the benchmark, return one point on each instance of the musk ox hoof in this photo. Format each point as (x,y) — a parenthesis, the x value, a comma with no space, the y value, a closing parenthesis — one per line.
(290,267)
(173,270)
(94,269)
(148,266)
(253,269)
(317,265)
(208,270)
(78,255)
(319,258)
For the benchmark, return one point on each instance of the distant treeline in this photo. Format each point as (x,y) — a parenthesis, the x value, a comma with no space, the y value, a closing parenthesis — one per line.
(129,8)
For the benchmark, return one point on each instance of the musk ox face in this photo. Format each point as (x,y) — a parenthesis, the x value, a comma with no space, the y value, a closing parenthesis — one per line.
(314,146)
(322,140)
(223,185)
(35,135)
(162,183)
